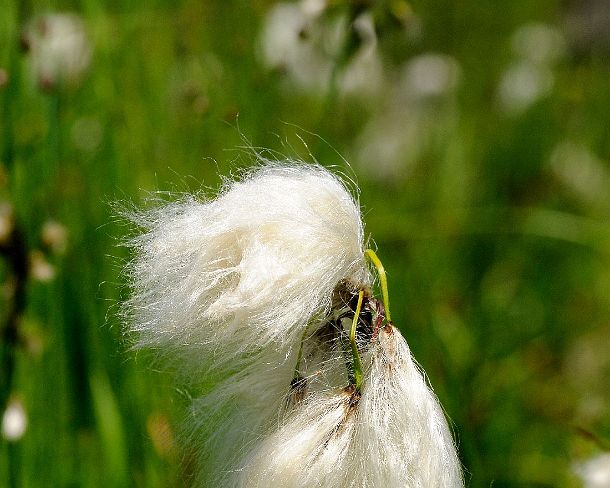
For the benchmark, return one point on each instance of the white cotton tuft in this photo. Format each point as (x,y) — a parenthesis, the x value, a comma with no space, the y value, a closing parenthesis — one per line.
(394,435)
(252,296)
(311,444)
(227,288)
(403,425)
(224,278)
(14,421)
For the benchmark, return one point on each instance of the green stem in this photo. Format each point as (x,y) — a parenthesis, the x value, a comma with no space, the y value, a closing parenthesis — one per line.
(352,339)
(383,281)
(297,367)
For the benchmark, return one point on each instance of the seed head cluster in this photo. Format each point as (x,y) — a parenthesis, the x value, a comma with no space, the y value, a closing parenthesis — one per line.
(262,299)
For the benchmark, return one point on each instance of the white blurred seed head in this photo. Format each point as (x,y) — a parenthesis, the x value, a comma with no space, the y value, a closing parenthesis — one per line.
(40,268)
(530,77)
(298,39)
(581,171)
(364,74)
(430,75)
(14,421)
(59,48)
(54,236)
(594,472)
(293,41)
(420,107)
(523,84)
(538,43)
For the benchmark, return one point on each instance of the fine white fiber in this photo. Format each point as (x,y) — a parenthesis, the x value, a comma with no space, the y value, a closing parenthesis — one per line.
(261,298)
(228,421)
(227,290)
(403,426)
(306,449)
(394,435)
(214,282)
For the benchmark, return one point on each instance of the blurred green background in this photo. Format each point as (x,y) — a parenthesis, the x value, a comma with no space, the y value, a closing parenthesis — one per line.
(477,131)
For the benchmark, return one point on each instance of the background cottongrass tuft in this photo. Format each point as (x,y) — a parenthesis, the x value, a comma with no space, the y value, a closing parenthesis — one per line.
(59,49)
(595,471)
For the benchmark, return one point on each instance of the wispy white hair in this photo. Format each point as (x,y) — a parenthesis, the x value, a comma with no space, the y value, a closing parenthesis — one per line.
(239,291)
(227,288)
(395,436)
(215,281)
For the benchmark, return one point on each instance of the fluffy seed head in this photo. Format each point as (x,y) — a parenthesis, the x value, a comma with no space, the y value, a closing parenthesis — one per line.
(219,279)
(239,289)
(394,435)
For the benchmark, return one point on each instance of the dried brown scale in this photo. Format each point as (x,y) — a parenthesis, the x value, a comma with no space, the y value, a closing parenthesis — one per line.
(353,398)
(343,293)
(298,389)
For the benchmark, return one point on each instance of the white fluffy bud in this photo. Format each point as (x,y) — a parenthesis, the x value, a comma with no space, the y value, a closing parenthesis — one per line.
(246,294)
(217,280)
(394,435)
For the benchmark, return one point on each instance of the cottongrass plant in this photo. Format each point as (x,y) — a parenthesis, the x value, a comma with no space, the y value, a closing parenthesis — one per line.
(262,298)
(392,434)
